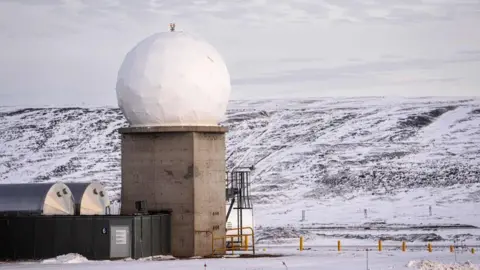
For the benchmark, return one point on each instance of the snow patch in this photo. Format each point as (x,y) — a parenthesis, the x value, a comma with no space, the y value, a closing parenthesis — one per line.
(430,265)
(67,258)
(158,258)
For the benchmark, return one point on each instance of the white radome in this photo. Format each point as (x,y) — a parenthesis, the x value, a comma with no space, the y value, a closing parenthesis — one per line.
(173,79)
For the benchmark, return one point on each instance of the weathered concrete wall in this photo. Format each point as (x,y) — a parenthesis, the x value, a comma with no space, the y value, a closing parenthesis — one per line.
(209,189)
(179,171)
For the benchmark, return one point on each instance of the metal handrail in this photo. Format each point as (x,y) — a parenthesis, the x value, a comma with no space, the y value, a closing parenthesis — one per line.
(231,237)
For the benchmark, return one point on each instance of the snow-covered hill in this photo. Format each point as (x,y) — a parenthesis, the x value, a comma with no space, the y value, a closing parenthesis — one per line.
(332,157)
(328,147)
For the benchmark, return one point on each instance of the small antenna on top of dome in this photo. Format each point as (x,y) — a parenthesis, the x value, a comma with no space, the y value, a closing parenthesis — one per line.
(172,27)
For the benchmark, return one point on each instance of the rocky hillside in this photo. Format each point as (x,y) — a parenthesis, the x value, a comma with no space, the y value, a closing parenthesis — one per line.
(307,148)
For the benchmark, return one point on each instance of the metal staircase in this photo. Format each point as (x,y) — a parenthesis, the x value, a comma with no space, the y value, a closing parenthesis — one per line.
(239,233)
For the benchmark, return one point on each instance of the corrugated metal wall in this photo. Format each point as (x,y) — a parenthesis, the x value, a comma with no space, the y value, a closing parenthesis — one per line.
(40,237)
(149,241)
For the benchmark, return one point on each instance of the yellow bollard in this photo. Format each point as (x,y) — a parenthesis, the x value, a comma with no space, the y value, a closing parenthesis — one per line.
(379,245)
(301,243)
(452,248)
(404,246)
(246,243)
(429,247)
(473,251)
(339,246)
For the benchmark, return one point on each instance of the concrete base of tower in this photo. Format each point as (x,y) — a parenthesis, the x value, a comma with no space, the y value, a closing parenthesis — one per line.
(180,170)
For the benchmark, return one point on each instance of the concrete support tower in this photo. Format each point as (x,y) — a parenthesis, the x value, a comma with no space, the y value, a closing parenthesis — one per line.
(173,89)
(179,170)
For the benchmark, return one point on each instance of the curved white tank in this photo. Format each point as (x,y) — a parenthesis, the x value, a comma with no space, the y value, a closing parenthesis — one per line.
(173,79)
(90,198)
(36,198)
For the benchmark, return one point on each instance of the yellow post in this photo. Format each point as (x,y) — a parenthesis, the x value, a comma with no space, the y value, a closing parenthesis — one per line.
(473,251)
(301,243)
(404,246)
(379,245)
(246,243)
(429,247)
(452,248)
(339,245)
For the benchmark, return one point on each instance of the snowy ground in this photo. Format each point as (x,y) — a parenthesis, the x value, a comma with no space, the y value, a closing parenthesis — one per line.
(306,260)
(404,216)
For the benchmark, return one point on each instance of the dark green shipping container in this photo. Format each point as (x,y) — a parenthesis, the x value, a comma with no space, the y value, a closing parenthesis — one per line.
(94,237)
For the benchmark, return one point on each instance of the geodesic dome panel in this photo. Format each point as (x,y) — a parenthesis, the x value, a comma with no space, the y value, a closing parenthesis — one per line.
(173,79)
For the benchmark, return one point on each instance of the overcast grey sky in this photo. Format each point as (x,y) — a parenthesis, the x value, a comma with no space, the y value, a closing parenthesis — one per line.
(67,52)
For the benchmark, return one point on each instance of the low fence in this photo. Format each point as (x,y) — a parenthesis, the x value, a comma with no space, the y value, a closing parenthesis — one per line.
(403,246)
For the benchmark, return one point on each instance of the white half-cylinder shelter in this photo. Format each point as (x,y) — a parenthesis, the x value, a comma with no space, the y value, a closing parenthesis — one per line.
(173,79)
(36,198)
(91,198)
